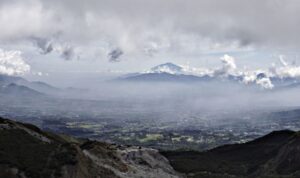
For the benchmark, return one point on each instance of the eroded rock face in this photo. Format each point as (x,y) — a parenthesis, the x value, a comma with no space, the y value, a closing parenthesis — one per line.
(129,162)
(26,151)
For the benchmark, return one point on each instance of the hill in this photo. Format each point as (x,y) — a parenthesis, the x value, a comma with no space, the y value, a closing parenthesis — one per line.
(274,155)
(19,91)
(27,151)
(6,80)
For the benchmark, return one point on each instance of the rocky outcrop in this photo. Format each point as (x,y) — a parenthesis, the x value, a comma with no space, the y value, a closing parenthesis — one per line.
(26,151)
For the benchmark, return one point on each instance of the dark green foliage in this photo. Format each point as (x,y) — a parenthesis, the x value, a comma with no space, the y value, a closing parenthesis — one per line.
(274,155)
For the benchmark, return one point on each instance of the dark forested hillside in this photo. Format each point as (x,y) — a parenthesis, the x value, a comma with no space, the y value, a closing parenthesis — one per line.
(274,155)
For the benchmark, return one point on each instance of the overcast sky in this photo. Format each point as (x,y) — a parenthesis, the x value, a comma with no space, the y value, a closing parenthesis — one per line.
(96,36)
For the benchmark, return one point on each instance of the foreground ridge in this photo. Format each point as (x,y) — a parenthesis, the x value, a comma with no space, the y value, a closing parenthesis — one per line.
(27,151)
(272,156)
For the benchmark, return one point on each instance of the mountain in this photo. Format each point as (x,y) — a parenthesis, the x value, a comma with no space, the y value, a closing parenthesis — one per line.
(167,72)
(274,155)
(287,82)
(167,77)
(41,87)
(19,90)
(6,79)
(175,73)
(37,86)
(27,151)
(169,68)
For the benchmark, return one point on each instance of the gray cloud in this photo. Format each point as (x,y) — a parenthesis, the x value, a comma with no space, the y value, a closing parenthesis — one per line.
(43,44)
(114,55)
(175,25)
(47,46)
(68,53)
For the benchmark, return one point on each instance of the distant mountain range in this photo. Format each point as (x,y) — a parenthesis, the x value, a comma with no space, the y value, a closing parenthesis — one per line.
(166,77)
(11,84)
(169,72)
(19,90)
(18,86)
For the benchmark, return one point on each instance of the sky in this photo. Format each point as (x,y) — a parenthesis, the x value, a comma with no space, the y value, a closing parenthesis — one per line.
(50,39)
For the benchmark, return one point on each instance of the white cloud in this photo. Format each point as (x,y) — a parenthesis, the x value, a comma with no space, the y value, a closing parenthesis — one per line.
(286,70)
(12,63)
(228,66)
(249,77)
(229,62)
(265,83)
(282,61)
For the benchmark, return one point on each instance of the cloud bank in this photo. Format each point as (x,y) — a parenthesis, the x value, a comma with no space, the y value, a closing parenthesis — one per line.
(149,27)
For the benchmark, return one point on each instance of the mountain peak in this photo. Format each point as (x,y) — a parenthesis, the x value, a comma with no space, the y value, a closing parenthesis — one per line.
(168,67)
